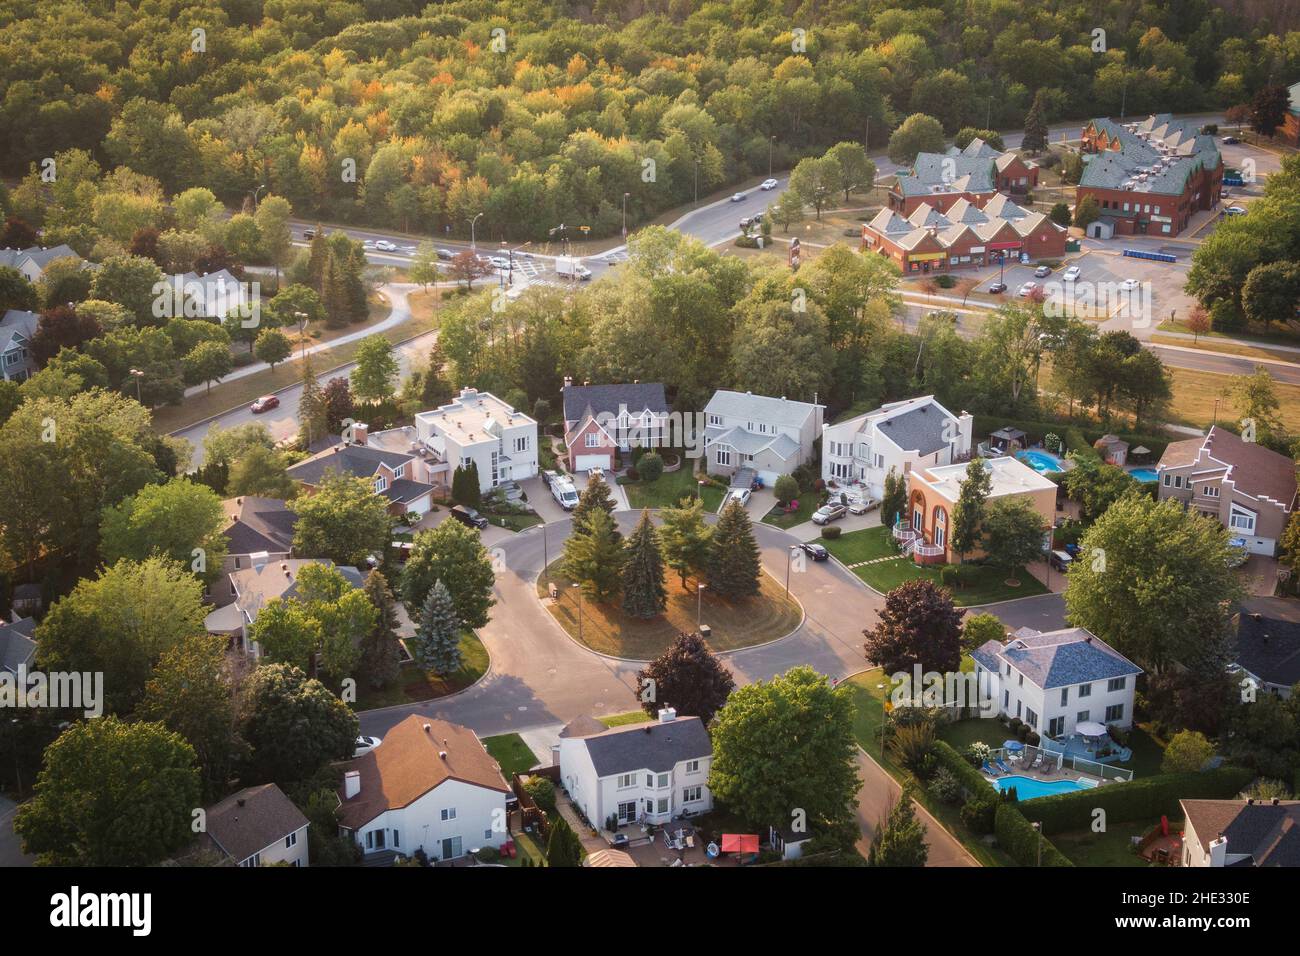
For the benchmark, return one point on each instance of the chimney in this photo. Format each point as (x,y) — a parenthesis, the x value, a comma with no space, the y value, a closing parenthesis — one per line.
(442,755)
(351,784)
(667,715)
(428,729)
(360,432)
(568,381)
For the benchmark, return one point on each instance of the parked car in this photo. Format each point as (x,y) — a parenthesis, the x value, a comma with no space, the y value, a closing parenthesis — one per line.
(1060,560)
(1043,272)
(768,184)
(402,550)
(1231,140)
(1128,285)
(739,494)
(737,197)
(1027,289)
(1070,274)
(446,255)
(862,504)
(1237,553)
(499,262)
(1235,210)
(469,517)
(383,245)
(309,233)
(755,220)
(364,745)
(831,511)
(264,404)
(814,551)
(997,288)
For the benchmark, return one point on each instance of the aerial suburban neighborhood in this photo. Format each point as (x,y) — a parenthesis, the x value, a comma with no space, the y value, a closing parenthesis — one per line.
(555,435)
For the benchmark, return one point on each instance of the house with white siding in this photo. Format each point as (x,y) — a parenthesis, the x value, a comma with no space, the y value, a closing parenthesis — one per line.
(639,773)
(1056,680)
(770,436)
(258,826)
(481,428)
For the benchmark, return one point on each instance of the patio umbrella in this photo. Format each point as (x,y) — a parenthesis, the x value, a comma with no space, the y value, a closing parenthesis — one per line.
(1015,746)
(1140,450)
(1090,728)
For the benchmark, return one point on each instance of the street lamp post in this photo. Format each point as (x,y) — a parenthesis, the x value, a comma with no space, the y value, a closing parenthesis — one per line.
(255,195)
(579,588)
(473,244)
(696,179)
(789,555)
(302,332)
(699,604)
(770,141)
(137,375)
(625,195)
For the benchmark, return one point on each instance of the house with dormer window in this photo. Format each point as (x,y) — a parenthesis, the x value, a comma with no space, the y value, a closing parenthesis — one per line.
(600,421)
(401,476)
(770,436)
(16,330)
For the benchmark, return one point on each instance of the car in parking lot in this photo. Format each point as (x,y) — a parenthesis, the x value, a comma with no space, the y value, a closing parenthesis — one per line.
(997,288)
(814,551)
(264,404)
(737,197)
(499,262)
(831,511)
(469,517)
(1070,274)
(738,494)
(445,254)
(1231,140)
(1235,210)
(1027,289)
(383,245)
(364,745)
(1128,285)
(768,184)
(1042,272)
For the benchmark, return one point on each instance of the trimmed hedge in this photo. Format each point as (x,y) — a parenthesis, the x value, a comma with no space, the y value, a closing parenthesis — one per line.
(1018,839)
(831,532)
(1142,799)
(972,781)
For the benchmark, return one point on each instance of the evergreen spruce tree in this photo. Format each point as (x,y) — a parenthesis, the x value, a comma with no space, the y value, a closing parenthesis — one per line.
(595,496)
(595,557)
(733,569)
(644,594)
(900,841)
(354,286)
(334,294)
(318,255)
(464,486)
(968,514)
(563,848)
(437,638)
(1035,139)
(894,503)
(313,409)
(380,652)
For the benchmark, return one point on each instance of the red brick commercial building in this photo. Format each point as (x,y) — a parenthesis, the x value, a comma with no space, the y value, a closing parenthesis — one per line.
(1148,177)
(965,236)
(975,174)
(1289,132)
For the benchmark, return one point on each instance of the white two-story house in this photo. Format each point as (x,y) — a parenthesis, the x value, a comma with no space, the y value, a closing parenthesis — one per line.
(641,773)
(481,428)
(1057,680)
(916,433)
(429,785)
(770,436)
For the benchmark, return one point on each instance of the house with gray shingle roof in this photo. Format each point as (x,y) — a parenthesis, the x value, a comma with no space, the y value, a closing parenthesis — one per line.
(652,773)
(770,436)
(258,826)
(602,420)
(1057,680)
(917,432)
(16,330)
(1268,644)
(974,173)
(1241,832)
(400,476)
(33,261)
(17,644)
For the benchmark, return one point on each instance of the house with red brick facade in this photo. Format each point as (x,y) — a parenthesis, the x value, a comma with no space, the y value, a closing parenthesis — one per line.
(602,420)
(975,174)
(1148,177)
(963,236)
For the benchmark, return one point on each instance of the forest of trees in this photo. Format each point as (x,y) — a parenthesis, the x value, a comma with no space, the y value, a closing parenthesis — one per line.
(535,114)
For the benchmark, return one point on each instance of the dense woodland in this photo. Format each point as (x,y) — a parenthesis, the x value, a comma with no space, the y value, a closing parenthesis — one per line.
(537,114)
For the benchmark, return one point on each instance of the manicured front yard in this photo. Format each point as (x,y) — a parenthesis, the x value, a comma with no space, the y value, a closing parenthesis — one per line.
(984,585)
(511,752)
(606,629)
(514,521)
(670,488)
(413,683)
(788,519)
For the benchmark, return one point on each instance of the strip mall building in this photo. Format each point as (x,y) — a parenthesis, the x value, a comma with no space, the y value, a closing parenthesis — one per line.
(975,174)
(1148,177)
(965,236)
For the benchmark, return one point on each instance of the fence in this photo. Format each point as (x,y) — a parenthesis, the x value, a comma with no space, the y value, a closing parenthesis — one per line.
(1156,256)
(531,816)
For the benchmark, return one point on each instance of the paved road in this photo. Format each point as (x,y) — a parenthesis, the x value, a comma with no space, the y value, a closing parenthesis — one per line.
(11,845)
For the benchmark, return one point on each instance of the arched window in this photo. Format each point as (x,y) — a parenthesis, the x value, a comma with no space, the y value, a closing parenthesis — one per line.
(940,526)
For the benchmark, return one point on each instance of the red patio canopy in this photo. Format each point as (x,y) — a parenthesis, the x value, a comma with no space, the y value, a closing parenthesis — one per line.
(740,843)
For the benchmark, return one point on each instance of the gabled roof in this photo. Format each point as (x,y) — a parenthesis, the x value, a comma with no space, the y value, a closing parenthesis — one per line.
(922,429)
(1267,833)
(1155,155)
(583,400)
(657,747)
(360,461)
(760,408)
(410,762)
(1056,658)
(1268,640)
(17,646)
(16,323)
(1253,469)
(258,524)
(251,820)
(257,585)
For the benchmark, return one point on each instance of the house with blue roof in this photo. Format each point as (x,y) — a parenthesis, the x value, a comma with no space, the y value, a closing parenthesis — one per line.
(1056,680)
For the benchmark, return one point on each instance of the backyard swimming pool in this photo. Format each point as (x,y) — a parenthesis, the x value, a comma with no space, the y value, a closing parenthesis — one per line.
(1144,475)
(1030,788)
(1041,461)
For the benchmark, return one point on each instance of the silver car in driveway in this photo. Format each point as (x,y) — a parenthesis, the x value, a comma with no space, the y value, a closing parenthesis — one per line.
(831,511)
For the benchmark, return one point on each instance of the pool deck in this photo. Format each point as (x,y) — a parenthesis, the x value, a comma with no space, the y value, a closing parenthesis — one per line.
(1047,772)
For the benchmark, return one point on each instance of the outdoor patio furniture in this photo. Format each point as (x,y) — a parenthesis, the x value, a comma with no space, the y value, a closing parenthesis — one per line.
(989,770)
(1038,760)
(1001,766)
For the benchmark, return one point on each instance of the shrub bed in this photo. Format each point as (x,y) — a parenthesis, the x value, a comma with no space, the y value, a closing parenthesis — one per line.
(972,780)
(1142,799)
(1018,839)
(831,532)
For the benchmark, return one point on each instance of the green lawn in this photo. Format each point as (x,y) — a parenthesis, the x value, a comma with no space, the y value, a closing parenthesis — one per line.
(864,545)
(868,698)
(962,733)
(1112,848)
(621,720)
(514,521)
(782,519)
(413,683)
(670,488)
(511,752)
(527,846)
(1148,752)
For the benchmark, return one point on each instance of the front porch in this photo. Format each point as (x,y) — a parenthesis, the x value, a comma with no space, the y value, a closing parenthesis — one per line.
(912,544)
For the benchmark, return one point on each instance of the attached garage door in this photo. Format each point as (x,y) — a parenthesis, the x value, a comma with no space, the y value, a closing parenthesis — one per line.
(768,478)
(419,506)
(587,462)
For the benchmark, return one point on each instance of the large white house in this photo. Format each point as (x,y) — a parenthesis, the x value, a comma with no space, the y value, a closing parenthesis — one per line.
(481,428)
(916,433)
(641,773)
(1056,680)
(430,785)
(771,436)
